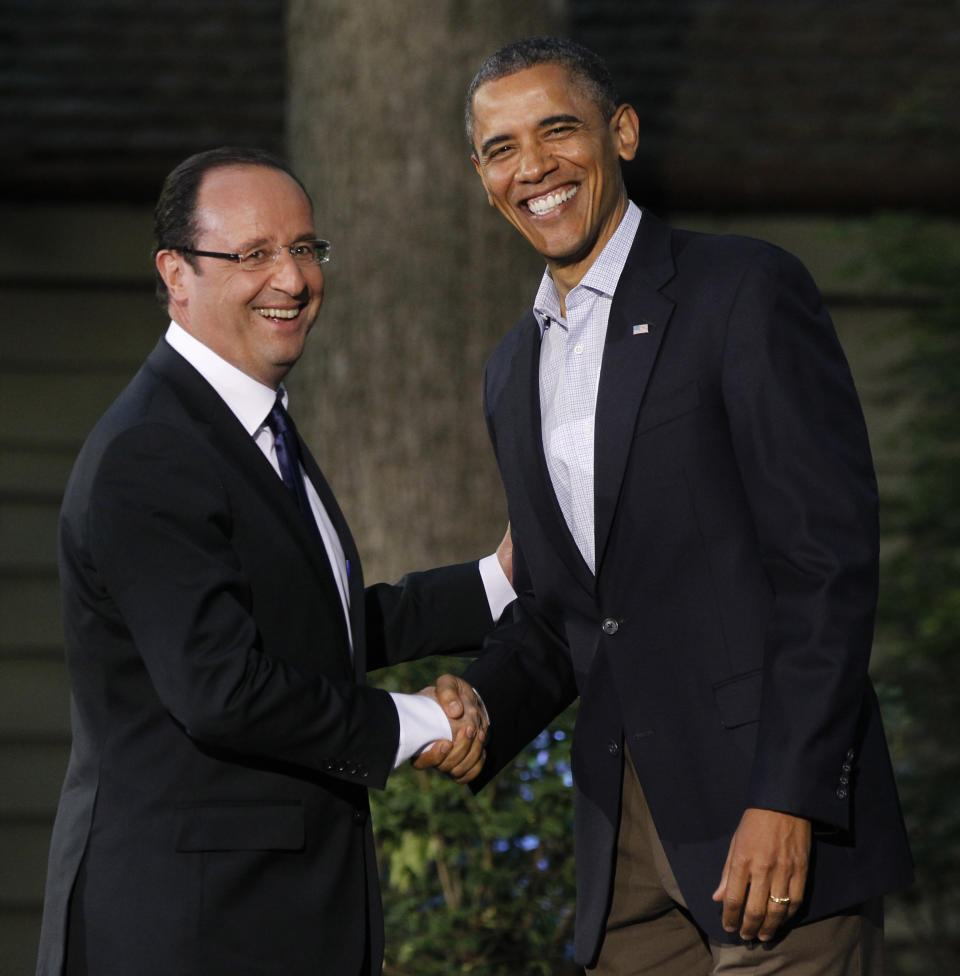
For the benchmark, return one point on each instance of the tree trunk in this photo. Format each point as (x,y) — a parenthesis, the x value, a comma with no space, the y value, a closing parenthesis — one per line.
(424,276)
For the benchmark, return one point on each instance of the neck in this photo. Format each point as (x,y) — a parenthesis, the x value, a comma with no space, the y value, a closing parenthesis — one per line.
(568,274)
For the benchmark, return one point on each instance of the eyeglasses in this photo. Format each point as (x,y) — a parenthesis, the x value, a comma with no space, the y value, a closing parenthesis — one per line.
(304,253)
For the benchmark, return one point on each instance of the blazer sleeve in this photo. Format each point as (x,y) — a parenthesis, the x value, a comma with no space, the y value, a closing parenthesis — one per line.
(524,676)
(439,611)
(802,449)
(164,568)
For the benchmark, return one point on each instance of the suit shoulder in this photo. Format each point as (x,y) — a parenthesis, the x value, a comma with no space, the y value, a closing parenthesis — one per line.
(507,346)
(732,254)
(498,366)
(145,426)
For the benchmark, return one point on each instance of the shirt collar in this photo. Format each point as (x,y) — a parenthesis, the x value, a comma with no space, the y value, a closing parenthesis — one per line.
(601,277)
(248,399)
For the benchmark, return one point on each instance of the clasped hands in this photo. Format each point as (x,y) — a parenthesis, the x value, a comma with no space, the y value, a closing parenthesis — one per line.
(463,756)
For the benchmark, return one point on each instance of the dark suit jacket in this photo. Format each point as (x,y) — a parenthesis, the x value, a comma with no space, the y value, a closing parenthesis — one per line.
(726,635)
(215,805)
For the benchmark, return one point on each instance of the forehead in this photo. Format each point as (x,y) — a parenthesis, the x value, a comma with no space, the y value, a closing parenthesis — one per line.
(527,97)
(246,203)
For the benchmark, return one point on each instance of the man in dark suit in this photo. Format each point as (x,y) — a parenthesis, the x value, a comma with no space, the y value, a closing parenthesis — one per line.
(693,509)
(214,815)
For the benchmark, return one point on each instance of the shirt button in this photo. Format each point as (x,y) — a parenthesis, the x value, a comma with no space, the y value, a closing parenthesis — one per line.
(578,348)
(610,626)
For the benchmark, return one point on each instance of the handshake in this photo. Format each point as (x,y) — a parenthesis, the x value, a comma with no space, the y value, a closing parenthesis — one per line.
(463,757)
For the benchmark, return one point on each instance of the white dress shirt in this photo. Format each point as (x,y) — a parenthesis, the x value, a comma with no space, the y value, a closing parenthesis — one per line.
(422,720)
(571,353)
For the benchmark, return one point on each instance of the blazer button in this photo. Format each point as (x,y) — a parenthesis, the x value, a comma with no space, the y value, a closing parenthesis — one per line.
(842,793)
(610,626)
(359,817)
(613,748)
(849,755)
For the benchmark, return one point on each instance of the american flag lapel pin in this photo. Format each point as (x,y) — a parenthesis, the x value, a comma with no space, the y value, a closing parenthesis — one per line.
(641,329)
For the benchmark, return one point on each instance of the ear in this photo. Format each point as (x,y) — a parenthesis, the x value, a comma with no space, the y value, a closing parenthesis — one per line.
(625,129)
(170,266)
(479,169)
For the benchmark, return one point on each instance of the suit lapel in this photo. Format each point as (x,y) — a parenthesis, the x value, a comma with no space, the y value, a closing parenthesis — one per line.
(228,434)
(535,475)
(638,320)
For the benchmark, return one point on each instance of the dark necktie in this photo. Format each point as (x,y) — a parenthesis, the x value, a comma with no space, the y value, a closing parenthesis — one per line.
(288,457)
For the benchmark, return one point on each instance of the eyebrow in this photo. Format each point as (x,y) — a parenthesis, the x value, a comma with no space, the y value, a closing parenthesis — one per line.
(542,124)
(263,241)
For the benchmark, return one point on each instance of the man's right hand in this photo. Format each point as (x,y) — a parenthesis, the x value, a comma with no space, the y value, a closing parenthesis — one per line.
(463,758)
(505,554)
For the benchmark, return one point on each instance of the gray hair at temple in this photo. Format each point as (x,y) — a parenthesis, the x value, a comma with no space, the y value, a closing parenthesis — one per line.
(585,66)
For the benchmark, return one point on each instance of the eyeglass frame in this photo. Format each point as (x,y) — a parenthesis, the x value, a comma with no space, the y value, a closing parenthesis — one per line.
(240,258)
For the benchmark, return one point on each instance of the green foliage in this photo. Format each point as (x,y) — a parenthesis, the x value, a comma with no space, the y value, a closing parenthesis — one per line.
(918,674)
(478,884)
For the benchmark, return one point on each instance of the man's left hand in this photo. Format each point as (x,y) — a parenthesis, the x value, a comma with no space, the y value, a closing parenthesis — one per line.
(765,874)
(464,759)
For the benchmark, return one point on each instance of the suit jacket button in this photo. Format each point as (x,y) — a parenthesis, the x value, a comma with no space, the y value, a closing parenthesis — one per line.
(610,626)
(842,793)
(844,779)
(358,816)
(613,748)
(849,755)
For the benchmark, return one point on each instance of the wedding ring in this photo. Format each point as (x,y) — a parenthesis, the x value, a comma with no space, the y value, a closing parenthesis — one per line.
(779,901)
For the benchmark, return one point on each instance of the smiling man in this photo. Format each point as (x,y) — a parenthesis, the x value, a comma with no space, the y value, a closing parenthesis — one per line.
(693,508)
(214,816)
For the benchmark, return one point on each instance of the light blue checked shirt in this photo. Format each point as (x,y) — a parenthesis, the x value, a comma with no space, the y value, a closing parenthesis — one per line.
(571,352)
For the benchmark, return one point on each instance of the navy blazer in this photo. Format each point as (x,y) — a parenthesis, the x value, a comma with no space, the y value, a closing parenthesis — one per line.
(214,817)
(726,635)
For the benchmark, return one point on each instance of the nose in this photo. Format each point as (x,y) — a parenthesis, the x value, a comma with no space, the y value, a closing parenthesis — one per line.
(534,163)
(292,278)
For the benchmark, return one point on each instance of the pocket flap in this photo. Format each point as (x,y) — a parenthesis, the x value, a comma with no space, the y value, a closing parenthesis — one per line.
(738,699)
(666,408)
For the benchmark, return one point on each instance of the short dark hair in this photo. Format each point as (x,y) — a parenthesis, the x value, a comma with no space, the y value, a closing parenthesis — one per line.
(175,216)
(588,68)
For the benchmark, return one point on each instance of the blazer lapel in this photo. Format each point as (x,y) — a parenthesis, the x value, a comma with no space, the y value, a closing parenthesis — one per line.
(535,475)
(211,413)
(638,320)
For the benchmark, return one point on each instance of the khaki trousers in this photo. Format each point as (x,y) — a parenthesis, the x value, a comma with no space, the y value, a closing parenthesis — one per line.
(650,932)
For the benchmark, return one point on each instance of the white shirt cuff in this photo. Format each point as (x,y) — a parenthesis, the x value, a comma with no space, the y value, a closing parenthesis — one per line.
(422,721)
(499,591)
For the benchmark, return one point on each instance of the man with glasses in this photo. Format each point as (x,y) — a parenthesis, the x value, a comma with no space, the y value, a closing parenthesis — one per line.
(214,816)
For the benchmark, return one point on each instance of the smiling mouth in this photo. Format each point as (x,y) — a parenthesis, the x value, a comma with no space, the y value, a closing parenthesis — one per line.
(278,313)
(546,204)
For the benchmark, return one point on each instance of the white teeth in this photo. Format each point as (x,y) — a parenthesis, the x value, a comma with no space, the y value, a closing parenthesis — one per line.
(278,313)
(543,205)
